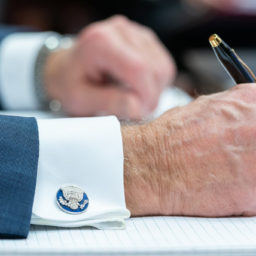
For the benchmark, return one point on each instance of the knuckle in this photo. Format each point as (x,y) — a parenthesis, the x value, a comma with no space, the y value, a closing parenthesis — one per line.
(150,32)
(120,19)
(96,32)
(208,102)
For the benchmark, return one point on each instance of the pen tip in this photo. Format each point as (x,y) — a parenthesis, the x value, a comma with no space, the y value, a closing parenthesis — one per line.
(215,40)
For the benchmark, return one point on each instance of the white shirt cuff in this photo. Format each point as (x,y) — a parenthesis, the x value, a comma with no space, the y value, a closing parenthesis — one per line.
(86,152)
(18,54)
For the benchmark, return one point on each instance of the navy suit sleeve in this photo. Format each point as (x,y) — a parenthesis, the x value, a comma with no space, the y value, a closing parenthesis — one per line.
(19,151)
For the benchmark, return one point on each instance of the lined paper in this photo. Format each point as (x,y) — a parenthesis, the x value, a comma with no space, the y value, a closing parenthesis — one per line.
(143,236)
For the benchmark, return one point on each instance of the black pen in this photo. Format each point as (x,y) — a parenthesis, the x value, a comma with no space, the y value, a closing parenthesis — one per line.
(231,62)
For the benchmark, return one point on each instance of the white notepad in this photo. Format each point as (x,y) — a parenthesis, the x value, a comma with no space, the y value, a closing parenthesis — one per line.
(143,236)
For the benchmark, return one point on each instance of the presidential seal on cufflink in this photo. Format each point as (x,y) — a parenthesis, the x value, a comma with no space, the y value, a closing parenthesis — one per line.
(72,199)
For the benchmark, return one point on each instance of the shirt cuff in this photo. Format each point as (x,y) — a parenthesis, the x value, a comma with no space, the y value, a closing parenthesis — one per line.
(88,153)
(18,54)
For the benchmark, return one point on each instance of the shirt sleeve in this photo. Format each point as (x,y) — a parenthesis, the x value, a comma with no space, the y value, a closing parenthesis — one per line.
(84,152)
(18,54)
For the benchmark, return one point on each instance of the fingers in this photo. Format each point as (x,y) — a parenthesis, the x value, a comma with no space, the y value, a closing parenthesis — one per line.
(125,66)
(120,102)
(145,42)
(107,100)
(131,55)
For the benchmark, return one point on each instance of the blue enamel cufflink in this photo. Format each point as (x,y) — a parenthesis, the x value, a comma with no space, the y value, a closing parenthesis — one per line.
(72,199)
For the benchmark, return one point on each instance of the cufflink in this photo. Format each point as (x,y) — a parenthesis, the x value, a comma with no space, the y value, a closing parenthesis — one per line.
(72,199)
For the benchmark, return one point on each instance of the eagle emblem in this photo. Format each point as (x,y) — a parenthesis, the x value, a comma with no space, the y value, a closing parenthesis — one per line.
(72,199)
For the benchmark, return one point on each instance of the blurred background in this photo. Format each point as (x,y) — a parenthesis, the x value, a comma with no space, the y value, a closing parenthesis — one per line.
(183,26)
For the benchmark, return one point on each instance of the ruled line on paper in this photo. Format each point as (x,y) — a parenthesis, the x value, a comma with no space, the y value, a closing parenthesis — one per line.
(144,234)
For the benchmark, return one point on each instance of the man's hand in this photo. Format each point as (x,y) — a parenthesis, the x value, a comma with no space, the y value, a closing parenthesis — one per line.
(115,67)
(197,160)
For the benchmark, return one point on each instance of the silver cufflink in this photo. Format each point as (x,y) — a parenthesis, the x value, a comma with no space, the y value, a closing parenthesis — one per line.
(72,199)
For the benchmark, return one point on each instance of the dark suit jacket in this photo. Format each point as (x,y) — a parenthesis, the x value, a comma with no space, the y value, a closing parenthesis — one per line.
(19,149)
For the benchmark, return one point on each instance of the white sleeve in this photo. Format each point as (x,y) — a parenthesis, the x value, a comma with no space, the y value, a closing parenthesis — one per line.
(88,153)
(18,54)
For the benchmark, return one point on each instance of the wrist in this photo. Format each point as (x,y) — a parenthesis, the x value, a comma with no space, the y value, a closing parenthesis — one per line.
(155,163)
(140,178)
(53,68)
(150,169)
(56,67)
(51,44)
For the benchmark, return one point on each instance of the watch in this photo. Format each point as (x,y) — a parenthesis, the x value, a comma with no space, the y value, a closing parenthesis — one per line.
(52,43)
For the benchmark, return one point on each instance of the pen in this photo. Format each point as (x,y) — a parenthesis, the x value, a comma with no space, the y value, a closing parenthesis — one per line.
(231,62)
